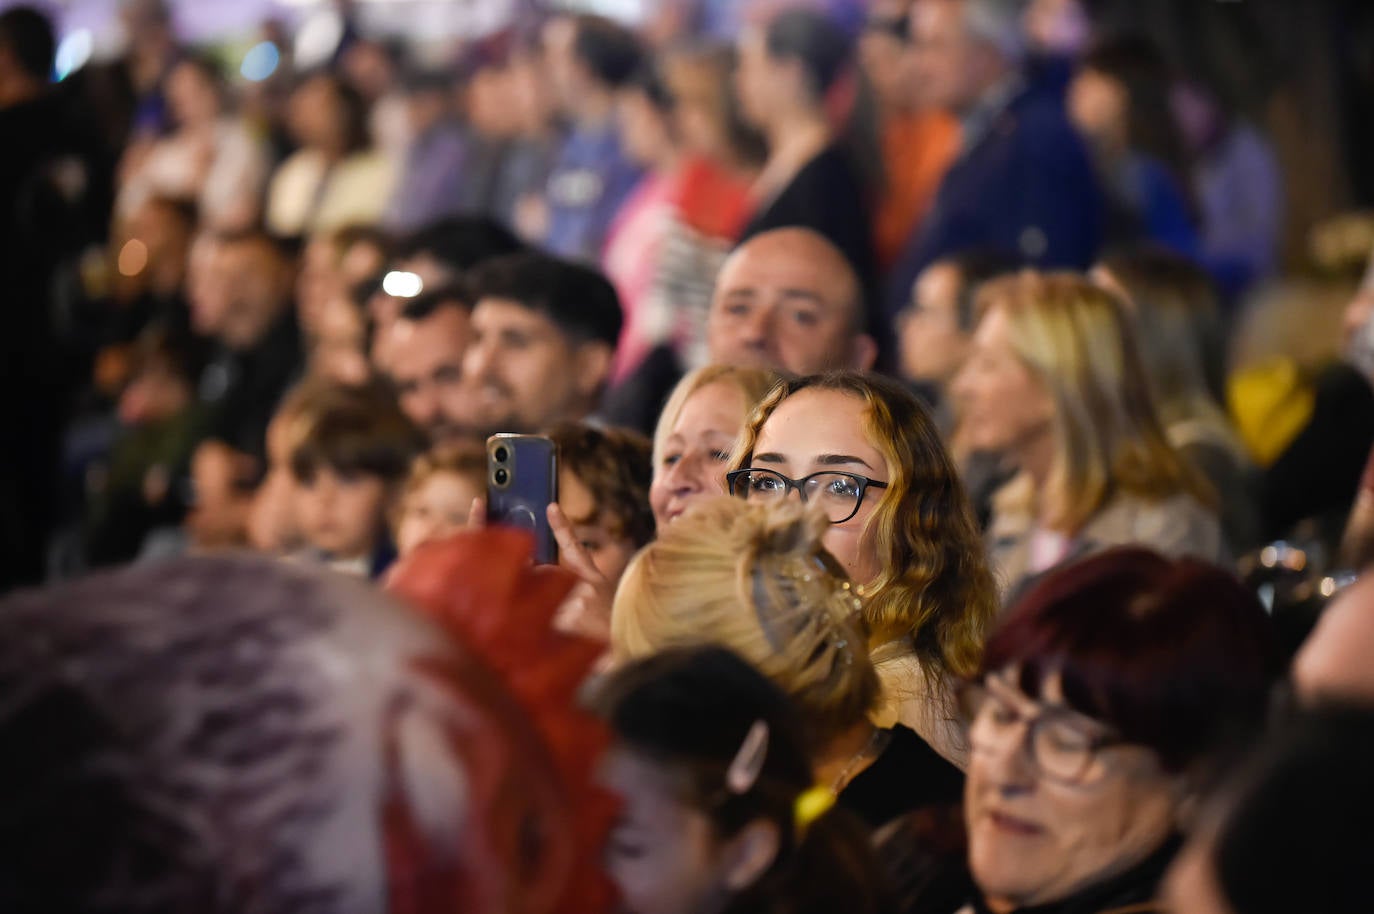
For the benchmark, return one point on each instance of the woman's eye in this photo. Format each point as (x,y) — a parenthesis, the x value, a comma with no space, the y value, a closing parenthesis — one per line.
(671,459)
(1002,714)
(1067,739)
(592,546)
(846,487)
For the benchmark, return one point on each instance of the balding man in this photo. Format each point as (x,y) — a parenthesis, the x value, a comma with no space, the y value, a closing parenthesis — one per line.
(790,301)
(1336,663)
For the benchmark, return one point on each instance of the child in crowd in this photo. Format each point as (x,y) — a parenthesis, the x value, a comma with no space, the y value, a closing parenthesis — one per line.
(348,463)
(721,813)
(603,516)
(273,523)
(159,425)
(438,496)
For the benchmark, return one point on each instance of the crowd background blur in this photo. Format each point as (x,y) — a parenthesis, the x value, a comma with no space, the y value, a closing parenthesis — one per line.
(1058,314)
(204,207)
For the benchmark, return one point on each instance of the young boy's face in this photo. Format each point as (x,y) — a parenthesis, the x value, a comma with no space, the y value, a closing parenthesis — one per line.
(609,551)
(435,508)
(342,513)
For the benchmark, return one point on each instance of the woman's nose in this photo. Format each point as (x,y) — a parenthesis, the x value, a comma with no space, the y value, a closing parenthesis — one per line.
(685,476)
(427,529)
(1008,763)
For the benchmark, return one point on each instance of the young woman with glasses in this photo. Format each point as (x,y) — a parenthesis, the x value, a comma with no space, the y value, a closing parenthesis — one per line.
(864,449)
(1104,700)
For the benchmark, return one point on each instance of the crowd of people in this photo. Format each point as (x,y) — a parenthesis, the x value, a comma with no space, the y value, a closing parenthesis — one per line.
(920,552)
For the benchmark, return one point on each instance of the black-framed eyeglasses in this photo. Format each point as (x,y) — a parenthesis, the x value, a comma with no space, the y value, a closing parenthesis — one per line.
(1061,747)
(838,494)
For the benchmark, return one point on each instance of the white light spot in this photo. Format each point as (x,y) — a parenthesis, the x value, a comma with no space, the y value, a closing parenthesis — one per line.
(318,39)
(73,53)
(399,284)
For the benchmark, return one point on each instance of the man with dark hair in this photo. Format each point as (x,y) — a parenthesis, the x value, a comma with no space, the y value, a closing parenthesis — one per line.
(443,251)
(935,329)
(246,309)
(544,337)
(425,354)
(588,58)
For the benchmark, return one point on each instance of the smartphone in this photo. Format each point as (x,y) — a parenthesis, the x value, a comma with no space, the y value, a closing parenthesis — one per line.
(522,481)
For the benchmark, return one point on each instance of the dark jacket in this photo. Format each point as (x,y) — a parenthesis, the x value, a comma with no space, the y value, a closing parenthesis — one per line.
(1132,892)
(828,197)
(1025,187)
(907,776)
(1318,473)
(241,389)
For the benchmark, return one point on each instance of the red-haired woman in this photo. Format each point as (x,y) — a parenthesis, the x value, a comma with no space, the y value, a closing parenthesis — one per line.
(1103,698)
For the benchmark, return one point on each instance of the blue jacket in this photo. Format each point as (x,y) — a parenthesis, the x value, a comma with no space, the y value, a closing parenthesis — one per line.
(1026,187)
(590,180)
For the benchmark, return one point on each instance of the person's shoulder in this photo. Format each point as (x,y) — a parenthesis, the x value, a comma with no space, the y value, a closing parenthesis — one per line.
(1129,505)
(301,165)
(1176,524)
(366,163)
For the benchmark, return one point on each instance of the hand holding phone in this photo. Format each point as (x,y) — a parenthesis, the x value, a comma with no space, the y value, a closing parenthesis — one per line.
(522,481)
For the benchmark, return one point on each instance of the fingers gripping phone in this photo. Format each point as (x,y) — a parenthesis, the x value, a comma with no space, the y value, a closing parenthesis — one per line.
(522,481)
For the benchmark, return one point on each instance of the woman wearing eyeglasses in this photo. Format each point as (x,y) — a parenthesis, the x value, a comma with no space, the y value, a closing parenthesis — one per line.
(865,449)
(1104,698)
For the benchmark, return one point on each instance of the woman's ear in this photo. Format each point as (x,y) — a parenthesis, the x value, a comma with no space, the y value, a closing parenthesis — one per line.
(750,854)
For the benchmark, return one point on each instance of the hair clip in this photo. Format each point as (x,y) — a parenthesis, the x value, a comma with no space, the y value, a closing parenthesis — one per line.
(810,806)
(747,764)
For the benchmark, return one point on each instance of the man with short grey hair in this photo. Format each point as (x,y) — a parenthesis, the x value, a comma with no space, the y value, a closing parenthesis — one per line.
(1023,183)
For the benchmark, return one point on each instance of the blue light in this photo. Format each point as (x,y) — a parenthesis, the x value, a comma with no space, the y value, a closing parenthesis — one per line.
(260,62)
